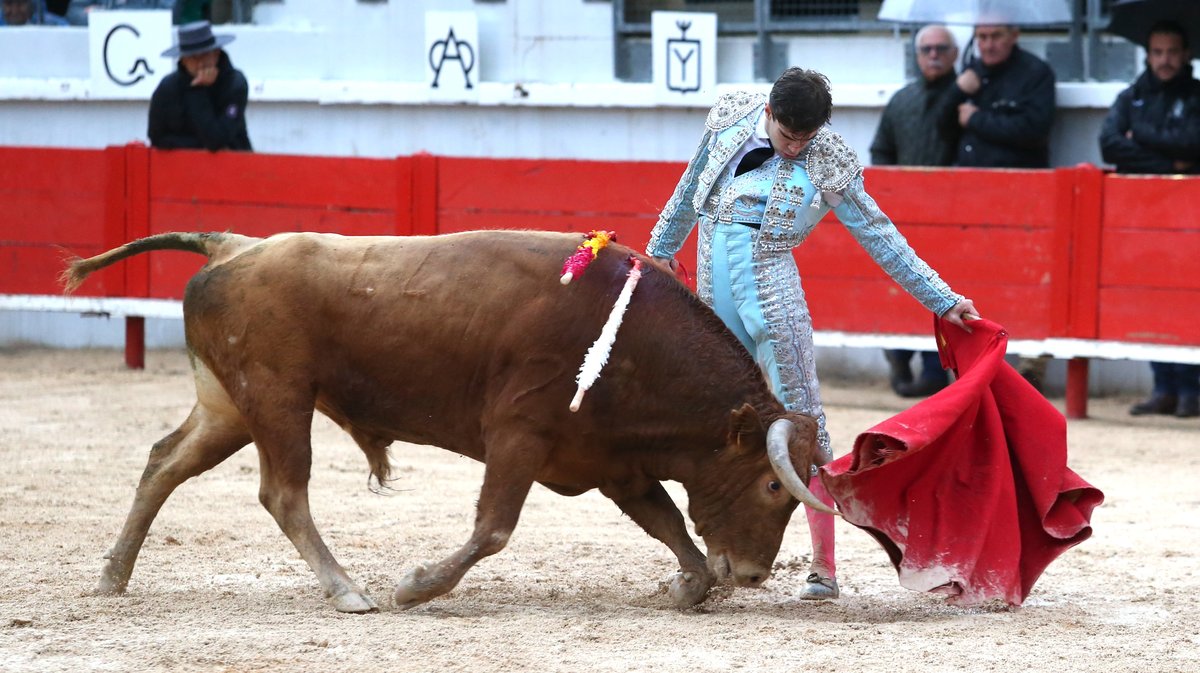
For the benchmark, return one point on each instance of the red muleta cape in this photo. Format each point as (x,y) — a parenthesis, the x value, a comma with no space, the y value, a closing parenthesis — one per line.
(968,491)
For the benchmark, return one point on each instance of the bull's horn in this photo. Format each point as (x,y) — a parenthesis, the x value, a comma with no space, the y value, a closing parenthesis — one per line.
(778,436)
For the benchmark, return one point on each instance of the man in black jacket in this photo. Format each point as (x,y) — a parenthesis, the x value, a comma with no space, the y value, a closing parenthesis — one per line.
(919,127)
(1006,104)
(1154,127)
(1006,109)
(203,103)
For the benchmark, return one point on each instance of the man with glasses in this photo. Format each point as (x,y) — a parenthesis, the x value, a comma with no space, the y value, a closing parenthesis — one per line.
(767,170)
(919,127)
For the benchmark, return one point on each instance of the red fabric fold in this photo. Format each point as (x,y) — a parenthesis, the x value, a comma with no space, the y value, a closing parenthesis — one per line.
(969,490)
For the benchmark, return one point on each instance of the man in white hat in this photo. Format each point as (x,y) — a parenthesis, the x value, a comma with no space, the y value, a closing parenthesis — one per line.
(202,104)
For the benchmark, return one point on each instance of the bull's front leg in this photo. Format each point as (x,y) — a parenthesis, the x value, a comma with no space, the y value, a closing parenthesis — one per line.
(653,510)
(506,483)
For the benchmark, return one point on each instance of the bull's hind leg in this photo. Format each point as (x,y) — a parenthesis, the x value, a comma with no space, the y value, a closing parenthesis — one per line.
(512,463)
(210,434)
(281,433)
(656,513)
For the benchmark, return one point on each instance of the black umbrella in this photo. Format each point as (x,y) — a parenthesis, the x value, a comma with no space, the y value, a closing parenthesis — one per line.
(1131,19)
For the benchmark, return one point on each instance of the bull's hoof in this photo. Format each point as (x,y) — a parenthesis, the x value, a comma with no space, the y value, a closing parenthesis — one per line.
(353,602)
(111,585)
(688,589)
(108,589)
(412,589)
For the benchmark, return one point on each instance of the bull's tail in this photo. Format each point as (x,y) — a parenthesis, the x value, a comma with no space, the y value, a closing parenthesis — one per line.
(211,245)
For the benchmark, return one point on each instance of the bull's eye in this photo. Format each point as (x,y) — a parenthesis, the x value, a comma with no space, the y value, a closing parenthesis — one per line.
(774,485)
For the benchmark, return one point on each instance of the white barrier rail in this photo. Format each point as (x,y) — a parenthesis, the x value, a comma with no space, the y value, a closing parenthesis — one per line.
(1065,349)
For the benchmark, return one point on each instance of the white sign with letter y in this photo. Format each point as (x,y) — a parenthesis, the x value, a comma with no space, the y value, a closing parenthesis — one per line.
(684,48)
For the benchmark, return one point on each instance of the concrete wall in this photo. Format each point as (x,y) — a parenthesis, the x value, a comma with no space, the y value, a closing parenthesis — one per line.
(339,77)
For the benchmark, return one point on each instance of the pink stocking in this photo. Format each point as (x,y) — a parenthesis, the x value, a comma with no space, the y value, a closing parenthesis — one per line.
(820,526)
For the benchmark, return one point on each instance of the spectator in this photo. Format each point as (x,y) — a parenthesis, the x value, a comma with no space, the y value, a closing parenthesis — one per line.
(1006,110)
(28,13)
(919,127)
(1006,104)
(203,103)
(1154,127)
(195,10)
(766,171)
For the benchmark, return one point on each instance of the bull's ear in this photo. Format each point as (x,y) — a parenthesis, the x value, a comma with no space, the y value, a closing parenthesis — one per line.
(746,430)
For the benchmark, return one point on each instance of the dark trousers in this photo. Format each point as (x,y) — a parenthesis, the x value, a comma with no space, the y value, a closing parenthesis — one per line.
(931,364)
(1178,380)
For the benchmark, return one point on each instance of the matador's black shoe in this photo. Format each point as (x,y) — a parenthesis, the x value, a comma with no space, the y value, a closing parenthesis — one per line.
(817,588)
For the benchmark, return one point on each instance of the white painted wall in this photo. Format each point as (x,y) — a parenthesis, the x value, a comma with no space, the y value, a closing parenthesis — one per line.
(345,78)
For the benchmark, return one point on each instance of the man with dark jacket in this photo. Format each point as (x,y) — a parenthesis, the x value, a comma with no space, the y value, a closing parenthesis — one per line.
(1154,127)
(1006,109)
(919,127)
(203,103)
(1006,104)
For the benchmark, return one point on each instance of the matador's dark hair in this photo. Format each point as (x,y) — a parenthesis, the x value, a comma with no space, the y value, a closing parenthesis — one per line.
(1166,27)
(801,100)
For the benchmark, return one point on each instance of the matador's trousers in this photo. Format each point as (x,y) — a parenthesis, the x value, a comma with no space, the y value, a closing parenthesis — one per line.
(761,301)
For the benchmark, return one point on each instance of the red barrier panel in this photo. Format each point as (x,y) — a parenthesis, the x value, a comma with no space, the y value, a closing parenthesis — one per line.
(969,225)
(53,200)
(624,197)
(260,195)
(1148,289)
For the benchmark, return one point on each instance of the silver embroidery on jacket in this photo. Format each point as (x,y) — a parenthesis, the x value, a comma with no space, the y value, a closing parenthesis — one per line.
(731,107)
(832,164)
(887,246)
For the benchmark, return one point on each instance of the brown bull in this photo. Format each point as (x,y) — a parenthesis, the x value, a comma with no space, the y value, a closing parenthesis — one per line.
(469,342)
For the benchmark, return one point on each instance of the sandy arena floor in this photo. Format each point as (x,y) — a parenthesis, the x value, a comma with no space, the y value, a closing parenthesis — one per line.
(218,587)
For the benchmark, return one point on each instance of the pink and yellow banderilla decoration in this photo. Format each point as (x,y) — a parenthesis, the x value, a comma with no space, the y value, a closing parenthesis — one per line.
(597,355)
(585,253)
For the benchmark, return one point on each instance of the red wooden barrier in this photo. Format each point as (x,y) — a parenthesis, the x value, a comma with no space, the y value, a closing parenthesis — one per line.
(1071,253)
(53,200)
(967,225)
(1148,286)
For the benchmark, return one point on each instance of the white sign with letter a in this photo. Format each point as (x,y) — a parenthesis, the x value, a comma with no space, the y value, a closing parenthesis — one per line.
(124,48)
(452,56)
(684,50)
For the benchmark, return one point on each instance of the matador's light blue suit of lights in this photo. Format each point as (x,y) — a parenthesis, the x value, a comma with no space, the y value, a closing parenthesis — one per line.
(747,273)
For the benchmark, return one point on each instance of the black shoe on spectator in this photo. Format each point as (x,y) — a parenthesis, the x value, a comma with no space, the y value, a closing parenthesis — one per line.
(1032,376)
(1158,403)
(901,371)
(1188,407)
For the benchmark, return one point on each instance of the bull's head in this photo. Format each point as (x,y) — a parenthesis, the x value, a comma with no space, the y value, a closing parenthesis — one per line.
(755,488)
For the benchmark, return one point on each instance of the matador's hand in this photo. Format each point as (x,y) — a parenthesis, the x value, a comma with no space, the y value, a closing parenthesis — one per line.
(960,313)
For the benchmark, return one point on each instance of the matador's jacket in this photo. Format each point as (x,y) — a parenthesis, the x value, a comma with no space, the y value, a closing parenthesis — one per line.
(773,208)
